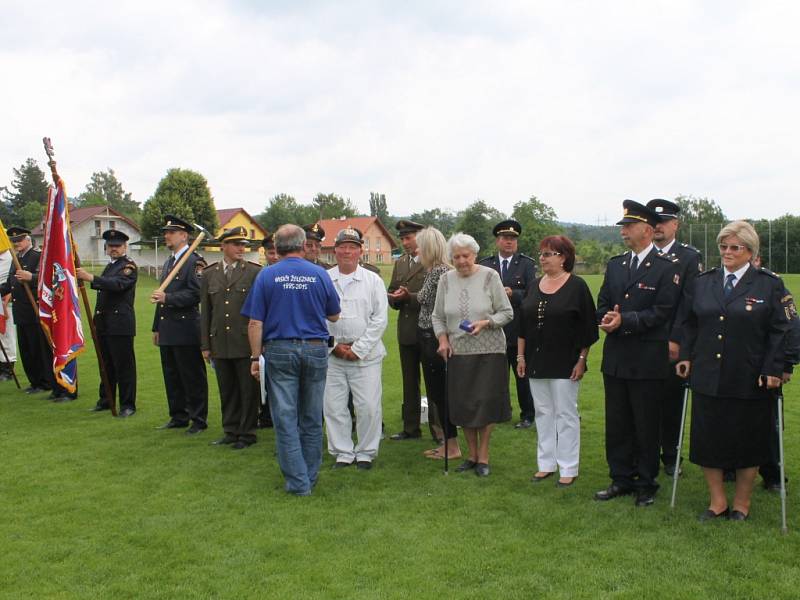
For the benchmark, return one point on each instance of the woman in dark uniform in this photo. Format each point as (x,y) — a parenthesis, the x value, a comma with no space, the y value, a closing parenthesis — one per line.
(733,350)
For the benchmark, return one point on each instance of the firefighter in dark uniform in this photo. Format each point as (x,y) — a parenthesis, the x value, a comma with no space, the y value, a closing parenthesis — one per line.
(639,293)
(34,350)
(223,335)
(115,322)
(517,272)
(689,266)
(315,235)
(176,331)
(408,275)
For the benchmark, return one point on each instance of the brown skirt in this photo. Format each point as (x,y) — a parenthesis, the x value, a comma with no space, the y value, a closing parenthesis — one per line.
(477,389)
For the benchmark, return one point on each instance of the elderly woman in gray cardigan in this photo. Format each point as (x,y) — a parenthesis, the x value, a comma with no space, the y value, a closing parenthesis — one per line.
(468,317)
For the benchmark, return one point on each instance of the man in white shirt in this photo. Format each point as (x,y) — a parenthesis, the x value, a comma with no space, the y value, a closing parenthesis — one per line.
(354,365)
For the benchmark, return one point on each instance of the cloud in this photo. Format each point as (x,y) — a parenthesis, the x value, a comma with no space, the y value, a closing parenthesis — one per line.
(433,104)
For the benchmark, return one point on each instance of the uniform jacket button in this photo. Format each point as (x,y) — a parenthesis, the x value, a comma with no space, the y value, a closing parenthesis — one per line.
(722,317)
(719,355)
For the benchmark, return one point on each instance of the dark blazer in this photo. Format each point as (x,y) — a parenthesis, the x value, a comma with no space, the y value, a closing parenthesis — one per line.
(520,275)
(411,274)
(23,311)
(689,266)
(732,341)
(178,320)
(638,348)
(116,289)
(223,329)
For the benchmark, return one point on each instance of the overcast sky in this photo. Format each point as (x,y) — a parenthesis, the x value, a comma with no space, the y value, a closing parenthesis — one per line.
(435,104)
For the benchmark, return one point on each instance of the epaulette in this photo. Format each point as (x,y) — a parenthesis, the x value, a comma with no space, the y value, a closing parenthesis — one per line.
(689,247)
(129,261)
(618,256)
(257,264)
(668,257)
(768,272)
(211,265)
(712,270)
(521,255)
(485,259)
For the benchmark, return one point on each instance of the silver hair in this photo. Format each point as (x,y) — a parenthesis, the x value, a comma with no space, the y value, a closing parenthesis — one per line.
(462,240)
(432,247)
(289,238)
(744,231)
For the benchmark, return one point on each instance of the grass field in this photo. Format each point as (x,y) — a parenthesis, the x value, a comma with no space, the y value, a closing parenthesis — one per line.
(96,507)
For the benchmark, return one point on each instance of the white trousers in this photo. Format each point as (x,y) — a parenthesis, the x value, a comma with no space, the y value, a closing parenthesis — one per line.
(365,384)
(558,426)
(9,338)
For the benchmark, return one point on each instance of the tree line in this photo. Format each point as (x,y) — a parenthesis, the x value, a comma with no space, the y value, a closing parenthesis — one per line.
(186,193)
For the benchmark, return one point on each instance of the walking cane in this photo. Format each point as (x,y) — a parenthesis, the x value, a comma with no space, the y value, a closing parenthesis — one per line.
(680,445)
(784,529)
(10,366)
(446,419)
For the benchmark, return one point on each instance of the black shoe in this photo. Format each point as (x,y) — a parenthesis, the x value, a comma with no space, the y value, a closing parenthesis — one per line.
(340,464)
(174,425)
(397,437)
(563,484)
(669,470)
(224,441)
(126,412)
(482,470)
(98,408)
(241,445)
(524,424)
(195,429)
(364,465)
(466,466)
(58,398)
(772,486)
(645,498)
(710,515)
(611,492)
(737,515)
(34,390)
(536,479)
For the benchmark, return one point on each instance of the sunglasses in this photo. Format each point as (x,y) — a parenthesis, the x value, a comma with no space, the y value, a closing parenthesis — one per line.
(732,247)
(548,254)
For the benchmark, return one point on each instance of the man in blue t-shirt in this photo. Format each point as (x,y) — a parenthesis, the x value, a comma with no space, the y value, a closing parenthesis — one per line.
(288,306)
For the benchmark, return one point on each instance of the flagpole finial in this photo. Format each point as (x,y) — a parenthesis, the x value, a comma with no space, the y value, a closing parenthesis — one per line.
(51,154)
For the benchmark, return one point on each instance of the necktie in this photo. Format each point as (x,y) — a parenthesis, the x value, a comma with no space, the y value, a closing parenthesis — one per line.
(168,269)
(728,289)
(634,266)
(228,272)
(504,269)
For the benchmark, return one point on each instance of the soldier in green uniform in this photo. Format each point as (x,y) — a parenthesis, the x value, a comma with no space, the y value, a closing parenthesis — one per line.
(223,337)
(408,276)
(315,235)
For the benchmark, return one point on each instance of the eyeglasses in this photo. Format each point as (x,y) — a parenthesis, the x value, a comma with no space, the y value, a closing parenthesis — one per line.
(548,254)
(732,247)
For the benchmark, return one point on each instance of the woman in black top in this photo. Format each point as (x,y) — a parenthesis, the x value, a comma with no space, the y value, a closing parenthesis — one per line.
(557,327)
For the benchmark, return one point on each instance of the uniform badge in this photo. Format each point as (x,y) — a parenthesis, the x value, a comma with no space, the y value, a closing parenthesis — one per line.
(127,271)
(676,279)
(748,307)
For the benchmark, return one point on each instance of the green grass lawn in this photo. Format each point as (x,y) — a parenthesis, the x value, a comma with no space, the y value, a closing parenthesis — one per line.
(96,507)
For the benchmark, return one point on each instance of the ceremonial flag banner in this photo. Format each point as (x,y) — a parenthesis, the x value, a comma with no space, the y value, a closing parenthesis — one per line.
(59,309)
(5,243)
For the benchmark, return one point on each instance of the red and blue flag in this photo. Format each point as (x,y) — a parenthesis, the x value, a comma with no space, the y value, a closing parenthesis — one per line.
(59,308)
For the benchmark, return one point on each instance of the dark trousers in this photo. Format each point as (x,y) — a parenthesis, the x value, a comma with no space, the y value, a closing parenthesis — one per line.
(120,362)
(186,384)
(671,410)
(36,356)
(632,431)
(240,397)
(523,387)
(434,371)
(410,357)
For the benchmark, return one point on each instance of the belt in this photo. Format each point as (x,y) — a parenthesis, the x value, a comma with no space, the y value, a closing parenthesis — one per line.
(300,340)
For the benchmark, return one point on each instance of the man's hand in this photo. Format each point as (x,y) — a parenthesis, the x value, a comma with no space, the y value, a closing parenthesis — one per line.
(611,320)
(400,294)
(683,368)
(158,297)
(83,274)
(509,291)
(155,338)
(344,352)
(674,350)
(23,275)
(771,381)
(254,370)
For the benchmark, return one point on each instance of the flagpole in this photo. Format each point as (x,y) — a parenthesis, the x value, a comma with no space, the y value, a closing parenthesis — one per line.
(48,148)
(29,294)
(10,365)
